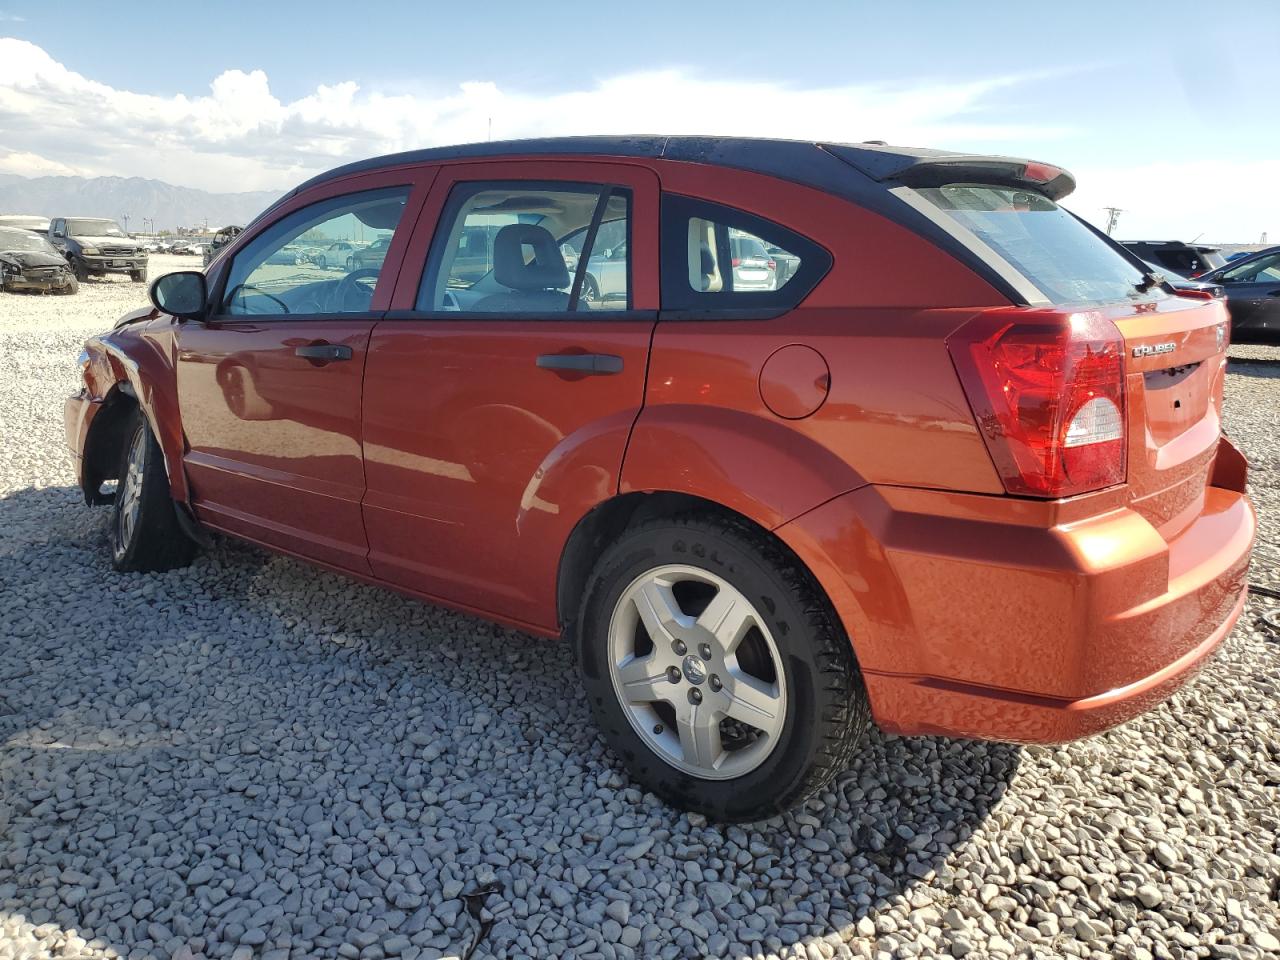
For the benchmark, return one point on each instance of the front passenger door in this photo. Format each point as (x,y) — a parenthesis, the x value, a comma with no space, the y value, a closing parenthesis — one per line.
(270,385)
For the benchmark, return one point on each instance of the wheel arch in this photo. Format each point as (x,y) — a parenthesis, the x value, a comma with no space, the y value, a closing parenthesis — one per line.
(139,371)
(609,519)
(102,443)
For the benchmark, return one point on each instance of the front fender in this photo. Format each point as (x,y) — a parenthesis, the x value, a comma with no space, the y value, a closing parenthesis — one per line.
(141,363)
(760,467)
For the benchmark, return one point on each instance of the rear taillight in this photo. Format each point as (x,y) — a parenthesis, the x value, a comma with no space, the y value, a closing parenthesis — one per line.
(1048,391)
(737,261)
(772,264)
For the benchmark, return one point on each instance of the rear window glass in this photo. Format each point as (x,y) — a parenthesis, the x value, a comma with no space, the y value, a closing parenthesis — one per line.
(1046,244)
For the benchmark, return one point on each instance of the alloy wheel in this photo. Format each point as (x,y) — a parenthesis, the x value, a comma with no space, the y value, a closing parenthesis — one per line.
(697,672)
(130,491)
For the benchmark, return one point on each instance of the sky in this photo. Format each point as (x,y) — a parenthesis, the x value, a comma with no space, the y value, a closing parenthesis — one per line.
(1165,110)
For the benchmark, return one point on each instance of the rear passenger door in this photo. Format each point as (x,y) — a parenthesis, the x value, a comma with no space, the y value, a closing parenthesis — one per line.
(498,400)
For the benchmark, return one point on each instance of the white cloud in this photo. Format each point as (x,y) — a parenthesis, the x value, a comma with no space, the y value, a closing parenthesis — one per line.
(1219,201)
(28,164)
(240,136)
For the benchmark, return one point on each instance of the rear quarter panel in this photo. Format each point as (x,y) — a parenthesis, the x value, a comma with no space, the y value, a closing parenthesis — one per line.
(895,412)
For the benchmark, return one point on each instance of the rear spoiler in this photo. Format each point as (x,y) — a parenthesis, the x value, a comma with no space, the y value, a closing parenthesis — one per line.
(933,168)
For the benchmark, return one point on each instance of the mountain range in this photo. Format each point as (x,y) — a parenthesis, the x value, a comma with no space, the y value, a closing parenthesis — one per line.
(167,205)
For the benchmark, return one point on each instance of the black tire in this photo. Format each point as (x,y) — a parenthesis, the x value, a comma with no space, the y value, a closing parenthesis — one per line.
(138,276)
(79,270)
(153,541)
(827,709)
(322,263)
(590,290)
(351,264)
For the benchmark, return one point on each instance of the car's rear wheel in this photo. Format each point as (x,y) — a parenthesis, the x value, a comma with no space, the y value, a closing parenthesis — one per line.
(145,535)
(351,264)
(590,290)
(717,669)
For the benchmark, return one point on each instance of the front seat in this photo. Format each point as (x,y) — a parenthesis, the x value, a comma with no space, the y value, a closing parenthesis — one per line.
(535,285)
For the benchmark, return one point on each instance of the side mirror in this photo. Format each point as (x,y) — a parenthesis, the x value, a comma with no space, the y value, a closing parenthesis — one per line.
(184,294)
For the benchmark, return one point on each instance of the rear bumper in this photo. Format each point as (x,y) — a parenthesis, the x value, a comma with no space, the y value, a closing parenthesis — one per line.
(1006,619)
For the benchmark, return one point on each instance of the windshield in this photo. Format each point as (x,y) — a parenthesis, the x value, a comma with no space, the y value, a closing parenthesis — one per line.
(23,241)
(1057,253)
(93,228)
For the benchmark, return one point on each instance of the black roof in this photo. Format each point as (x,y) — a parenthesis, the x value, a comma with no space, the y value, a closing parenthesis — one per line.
(818,164)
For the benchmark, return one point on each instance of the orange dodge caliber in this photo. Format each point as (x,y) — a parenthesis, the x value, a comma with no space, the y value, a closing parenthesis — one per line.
(783,437)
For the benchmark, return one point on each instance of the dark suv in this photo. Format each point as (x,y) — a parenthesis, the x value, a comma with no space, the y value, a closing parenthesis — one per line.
(1185,259)
(96,247)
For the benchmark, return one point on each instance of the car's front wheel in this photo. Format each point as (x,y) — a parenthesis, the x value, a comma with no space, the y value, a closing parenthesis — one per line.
(138,276)
(717,669)
(145,535)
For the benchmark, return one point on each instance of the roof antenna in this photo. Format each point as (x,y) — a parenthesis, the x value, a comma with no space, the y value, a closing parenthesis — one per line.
(491,128)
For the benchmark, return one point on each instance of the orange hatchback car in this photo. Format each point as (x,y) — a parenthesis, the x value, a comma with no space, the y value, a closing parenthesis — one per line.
(784,437)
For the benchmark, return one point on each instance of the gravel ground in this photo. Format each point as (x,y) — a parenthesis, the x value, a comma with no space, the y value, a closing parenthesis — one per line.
(250,758)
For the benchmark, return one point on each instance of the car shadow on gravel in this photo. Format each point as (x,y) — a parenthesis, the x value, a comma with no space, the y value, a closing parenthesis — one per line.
(254,752)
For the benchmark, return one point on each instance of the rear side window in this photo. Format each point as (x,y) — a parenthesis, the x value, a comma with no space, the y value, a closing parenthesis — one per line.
(1053,250)
(718,258)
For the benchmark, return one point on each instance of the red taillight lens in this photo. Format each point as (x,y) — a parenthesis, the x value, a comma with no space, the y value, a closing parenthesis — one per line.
(773,264)
(737,261)
(1048,391)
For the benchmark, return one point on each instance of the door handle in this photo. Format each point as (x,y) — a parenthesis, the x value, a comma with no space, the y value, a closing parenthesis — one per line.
(589,363)
(324,352)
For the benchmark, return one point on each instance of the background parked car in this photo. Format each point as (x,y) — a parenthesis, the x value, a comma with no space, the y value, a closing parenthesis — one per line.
(332,255)
(289,255)
(30,262)
(370,257)
(220,240)
(96,247)
(23,222)
(1185,259)
(753,268)
(1185,283)
(1252,287)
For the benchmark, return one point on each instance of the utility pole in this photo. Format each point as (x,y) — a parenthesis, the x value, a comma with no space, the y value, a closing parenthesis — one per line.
(125,218)
(1113,216)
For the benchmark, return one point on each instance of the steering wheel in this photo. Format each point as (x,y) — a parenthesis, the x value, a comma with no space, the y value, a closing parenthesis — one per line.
(347,285)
